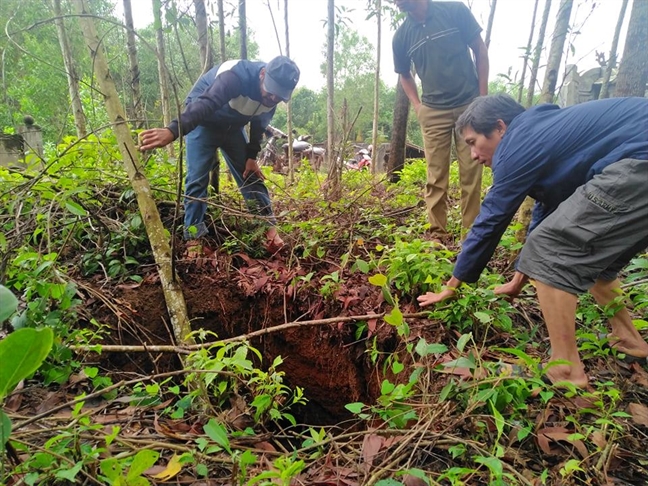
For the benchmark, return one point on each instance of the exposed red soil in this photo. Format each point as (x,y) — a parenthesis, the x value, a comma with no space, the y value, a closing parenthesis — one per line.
(233,296)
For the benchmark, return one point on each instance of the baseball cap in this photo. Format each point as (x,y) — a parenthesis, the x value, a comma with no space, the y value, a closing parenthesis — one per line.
(281,77)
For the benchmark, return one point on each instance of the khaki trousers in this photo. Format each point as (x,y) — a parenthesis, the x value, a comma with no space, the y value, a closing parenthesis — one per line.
(438,129)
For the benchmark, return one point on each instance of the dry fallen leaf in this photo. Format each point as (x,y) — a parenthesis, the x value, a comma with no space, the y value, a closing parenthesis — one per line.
(558,434)
(409,480)
(371,445)
(640,377)
(172,469)
(639,413)
(597,438)
(15,400)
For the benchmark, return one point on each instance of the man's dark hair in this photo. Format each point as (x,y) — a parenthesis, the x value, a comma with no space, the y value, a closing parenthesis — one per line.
(482,114)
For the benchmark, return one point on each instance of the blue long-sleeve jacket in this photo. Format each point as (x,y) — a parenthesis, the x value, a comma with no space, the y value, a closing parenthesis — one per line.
(547,153)
(227,97)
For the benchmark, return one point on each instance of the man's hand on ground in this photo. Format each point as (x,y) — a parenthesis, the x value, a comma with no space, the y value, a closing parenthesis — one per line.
(251,167)
(155,138)
(430,298)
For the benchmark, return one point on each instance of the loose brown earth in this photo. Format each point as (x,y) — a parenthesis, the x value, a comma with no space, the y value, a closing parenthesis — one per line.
(233,296)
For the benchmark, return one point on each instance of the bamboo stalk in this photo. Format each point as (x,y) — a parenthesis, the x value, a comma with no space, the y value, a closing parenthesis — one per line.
(150,216)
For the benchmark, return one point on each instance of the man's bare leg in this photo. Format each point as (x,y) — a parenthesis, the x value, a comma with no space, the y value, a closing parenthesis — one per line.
(559,312)
(624,335)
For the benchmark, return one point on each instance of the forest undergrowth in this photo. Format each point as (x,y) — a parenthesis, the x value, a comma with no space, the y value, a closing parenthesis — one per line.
(312,366)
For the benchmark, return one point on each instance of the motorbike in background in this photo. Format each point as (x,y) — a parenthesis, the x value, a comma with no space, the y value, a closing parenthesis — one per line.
(303,149)
(362,160)
(271,153)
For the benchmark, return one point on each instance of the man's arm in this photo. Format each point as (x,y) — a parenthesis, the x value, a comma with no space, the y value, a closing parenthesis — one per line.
(225,87)
(512,181)
(481,62)
(409,86)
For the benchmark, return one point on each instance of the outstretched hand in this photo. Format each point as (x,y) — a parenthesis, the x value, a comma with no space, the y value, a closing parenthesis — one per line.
(430,298)
(155,138)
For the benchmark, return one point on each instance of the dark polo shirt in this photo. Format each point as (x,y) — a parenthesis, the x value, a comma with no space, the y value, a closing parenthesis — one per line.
(439,49)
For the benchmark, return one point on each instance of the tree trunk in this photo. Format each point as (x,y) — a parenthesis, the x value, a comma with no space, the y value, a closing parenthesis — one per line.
(73,81)
(165,97)
(633,70)
(243,29)
(489,28)
(221,31)
(185,63)
(527,52)
(137,109)
(206,54)
(396,160)
(334,172)
(374,133)
(154,228)
(605,86)
(291,168)
(533,75)
(556,51)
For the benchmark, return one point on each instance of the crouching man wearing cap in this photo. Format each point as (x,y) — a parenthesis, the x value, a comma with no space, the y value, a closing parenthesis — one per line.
(221,103)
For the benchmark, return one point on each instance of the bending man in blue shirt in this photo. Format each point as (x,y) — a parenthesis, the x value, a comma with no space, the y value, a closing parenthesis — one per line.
(587,168)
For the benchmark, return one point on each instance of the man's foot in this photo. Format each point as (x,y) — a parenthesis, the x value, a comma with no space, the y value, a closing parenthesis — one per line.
(557,375)
(274,243)
(575,375)
(628,345)
(437,239)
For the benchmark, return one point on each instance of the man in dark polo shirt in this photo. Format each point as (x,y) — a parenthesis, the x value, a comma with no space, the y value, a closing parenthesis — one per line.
(587,168)
(436,37)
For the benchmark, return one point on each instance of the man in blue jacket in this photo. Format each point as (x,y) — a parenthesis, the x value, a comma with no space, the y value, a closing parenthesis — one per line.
(587,168)
(221,103)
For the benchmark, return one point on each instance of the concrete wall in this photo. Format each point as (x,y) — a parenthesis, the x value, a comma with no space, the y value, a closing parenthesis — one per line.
(14,148)
(582,87)
(11,150)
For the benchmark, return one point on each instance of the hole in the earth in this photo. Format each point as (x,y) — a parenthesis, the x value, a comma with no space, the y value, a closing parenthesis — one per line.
(332,370)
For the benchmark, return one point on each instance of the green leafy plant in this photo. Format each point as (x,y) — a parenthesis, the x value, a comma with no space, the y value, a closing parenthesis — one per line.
(284,469)
(113,469)
(414,267)
(21,354)
(233,373)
